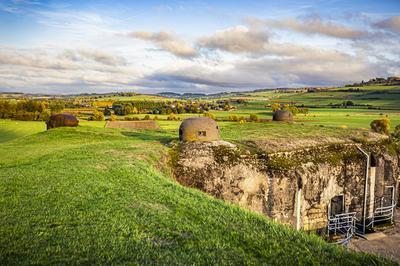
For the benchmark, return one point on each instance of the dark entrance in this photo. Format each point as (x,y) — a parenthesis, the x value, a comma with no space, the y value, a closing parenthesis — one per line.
(337,205)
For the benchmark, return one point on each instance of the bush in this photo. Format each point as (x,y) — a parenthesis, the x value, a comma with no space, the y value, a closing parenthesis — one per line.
(210,115)
(134,118)
(146,117)
(172,117)
(381,126)
(97,116)
(396,132)
(254,118)
(275,107)
(233,118)
(113,118)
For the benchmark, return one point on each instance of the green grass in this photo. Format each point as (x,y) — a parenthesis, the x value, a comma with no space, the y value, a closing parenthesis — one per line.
(91,195)
(330,117)
(15,129)
(386,97)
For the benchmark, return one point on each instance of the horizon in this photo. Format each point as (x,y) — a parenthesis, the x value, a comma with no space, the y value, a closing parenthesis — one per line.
(51,47)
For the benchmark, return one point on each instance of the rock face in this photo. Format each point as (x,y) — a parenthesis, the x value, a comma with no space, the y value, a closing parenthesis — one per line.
(199,129)
(62,120)
(295,188)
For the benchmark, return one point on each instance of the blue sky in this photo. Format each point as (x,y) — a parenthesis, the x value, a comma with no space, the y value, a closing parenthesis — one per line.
(194,46)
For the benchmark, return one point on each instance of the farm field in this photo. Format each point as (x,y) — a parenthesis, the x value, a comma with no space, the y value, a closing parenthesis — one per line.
(91,195)
(351,117)
(385,97)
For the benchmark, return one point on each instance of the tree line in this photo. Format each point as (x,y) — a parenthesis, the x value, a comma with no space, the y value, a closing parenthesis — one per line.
(29,110)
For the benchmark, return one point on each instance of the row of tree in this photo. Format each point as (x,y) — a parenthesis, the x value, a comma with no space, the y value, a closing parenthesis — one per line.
(168,107)
(29,110)
(292,108)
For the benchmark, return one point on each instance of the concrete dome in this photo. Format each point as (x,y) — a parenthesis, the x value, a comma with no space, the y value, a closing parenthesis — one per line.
(282,115)
(62,120)
(199,129)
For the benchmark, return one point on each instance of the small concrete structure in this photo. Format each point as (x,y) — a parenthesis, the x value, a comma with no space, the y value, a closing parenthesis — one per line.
(282,115)
(199,129)
(62,120)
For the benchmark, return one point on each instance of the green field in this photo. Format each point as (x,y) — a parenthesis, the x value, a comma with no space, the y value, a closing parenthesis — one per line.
(94,195)
(90,195)
(385,97)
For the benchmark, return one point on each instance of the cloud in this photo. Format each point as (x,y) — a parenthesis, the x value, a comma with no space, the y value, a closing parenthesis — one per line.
(166,41)
(68,70)
(238,39)
(94,55)
(286,65)
(391,24)
(311,25)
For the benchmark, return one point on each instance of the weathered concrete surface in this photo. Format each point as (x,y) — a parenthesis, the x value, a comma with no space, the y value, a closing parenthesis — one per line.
(224,171)
(387,244)
(294,187)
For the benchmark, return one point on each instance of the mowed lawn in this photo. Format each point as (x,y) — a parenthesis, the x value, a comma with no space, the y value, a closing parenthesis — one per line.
(91,195)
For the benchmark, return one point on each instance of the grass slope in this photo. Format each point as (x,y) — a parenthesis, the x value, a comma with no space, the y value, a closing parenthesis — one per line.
(14,129)
(99,196)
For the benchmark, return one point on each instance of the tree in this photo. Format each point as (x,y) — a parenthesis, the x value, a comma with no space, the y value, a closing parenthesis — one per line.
(275,107)
(56,107)
(97,116)
(254,118)
(210,115)
(381,126)
(113,118)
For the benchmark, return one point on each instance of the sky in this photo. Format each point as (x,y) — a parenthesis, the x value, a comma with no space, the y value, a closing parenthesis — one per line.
(67,47)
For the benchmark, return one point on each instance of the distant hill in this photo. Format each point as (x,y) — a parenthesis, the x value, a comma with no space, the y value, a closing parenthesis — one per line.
(390,81)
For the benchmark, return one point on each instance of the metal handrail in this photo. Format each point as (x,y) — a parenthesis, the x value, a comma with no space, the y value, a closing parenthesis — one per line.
(343,224)
(381,214)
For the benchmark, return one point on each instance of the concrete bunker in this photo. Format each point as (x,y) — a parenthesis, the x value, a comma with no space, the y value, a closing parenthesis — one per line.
(343,188)
(282,115)
(62,120)
(199,129)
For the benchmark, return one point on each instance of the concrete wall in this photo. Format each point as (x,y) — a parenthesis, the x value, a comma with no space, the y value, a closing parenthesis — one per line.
(295,188)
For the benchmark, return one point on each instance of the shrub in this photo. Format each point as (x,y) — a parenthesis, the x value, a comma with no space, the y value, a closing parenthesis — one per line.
(275,107)
(254,118)
(113,118)
(146,117)
(396,132)
(381,126)
(172,117)
(210,115)
(233,118)
(134,118)
(293,109)
(97,116)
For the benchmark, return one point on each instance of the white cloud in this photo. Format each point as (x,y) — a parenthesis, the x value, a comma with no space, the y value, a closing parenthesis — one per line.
(167,41)
(391,24)
(311,25)
(236,40)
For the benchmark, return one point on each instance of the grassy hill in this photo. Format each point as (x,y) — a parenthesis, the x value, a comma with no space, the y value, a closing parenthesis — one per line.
(91,195)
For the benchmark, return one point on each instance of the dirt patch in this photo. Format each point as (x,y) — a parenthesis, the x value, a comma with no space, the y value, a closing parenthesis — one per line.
(146,124)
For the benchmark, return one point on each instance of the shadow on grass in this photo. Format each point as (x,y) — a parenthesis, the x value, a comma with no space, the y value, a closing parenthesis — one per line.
(151,135)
